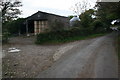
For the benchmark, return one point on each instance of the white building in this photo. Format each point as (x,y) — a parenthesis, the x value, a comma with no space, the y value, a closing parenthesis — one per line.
(72,21)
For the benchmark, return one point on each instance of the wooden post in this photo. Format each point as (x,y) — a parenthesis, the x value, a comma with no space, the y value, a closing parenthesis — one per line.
(27,28)
(35,27)
(42,25)
(39,26)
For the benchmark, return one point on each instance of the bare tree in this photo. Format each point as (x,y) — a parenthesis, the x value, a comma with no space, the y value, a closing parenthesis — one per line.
(80,7)
(9,9)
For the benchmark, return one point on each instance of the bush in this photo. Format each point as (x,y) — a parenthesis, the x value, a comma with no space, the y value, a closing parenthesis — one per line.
(86,18)
(98,26)
(5,37)
(119,28)
(56,26)
(15,26)
(77,24)
(62,35)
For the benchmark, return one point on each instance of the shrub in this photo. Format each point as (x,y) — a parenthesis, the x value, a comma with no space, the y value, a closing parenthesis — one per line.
(119,28)
(86,18)
(5,37)
(77,24)
(15,26)
(98,26)
(56,26)
(62,35)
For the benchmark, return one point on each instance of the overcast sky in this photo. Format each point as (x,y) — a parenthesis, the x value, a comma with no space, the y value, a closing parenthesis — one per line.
(59,7)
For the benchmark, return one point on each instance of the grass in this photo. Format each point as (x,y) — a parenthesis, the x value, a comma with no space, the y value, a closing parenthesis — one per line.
(76,38)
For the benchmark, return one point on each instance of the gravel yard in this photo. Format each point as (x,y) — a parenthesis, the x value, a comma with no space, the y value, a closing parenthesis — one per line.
(29,61)
(32,59)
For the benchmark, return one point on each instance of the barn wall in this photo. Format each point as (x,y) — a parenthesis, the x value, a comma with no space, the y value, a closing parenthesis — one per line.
(65,21)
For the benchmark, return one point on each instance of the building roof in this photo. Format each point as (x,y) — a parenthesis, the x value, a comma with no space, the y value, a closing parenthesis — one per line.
(41,15)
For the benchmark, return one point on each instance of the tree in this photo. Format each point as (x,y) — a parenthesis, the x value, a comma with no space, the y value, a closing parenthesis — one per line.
(80,7)
(86,18)
(10,9)
(107,12)
(98,26)
(15,26)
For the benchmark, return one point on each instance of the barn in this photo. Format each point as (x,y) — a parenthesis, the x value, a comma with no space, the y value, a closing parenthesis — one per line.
(41,21)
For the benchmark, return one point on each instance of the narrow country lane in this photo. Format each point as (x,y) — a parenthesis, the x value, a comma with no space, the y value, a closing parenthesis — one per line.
(94,58)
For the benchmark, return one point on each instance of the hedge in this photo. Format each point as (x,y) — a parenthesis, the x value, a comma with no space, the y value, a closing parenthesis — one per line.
(62,35)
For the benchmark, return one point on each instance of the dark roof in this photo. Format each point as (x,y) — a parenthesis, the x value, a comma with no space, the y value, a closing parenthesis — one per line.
(52,14)
(44,15)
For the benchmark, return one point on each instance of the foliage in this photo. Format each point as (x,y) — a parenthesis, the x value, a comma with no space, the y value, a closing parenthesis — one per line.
(107,12)
(66,36)
(98,26)
(10,9)
(15,26)
(62,35)
(86,18)
(5,37)
(70,17)
(119,28)
(56,26)
(77,24)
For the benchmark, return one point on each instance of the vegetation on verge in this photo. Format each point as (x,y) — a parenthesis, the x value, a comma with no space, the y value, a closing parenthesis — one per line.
(15,27)
(66,36)
(5,37)
(10,11)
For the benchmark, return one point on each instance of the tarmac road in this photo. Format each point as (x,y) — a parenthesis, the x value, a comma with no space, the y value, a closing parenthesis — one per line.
(94,58)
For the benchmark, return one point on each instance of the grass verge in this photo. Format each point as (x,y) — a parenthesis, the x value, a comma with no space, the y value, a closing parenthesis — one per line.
(74,39)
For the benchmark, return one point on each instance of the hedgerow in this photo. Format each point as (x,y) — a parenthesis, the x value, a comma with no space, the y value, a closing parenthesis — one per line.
(62,35)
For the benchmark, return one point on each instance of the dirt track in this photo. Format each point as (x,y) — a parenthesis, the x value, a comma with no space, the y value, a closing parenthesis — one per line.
(75,59)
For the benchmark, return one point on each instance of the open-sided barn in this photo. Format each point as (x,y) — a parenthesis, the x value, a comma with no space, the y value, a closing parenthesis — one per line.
(41,21)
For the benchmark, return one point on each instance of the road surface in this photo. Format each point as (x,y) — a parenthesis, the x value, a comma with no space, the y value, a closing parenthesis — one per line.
(94,58)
